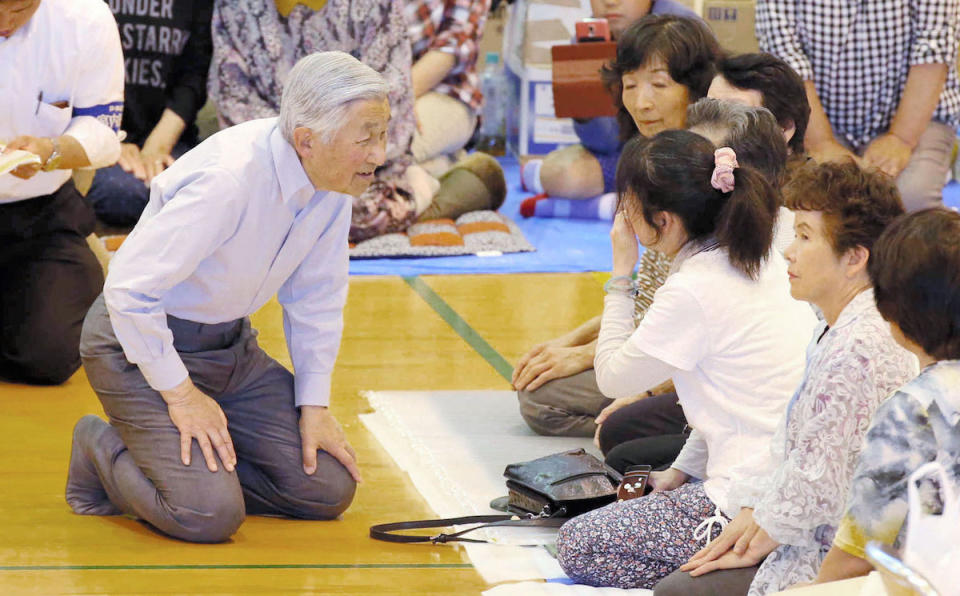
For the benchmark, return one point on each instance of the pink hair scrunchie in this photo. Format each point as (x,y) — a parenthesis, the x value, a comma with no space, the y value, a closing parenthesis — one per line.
(725,161)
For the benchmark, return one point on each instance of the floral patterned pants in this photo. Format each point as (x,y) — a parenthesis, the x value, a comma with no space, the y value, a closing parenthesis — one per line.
(636,543)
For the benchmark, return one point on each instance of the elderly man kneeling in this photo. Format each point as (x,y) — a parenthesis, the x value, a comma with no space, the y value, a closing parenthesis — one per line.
(259,209)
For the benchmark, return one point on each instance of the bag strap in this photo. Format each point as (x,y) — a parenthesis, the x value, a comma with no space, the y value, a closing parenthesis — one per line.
(385,531)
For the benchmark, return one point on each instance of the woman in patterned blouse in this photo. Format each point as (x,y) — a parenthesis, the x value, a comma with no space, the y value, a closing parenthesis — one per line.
(915,275)
(853,364)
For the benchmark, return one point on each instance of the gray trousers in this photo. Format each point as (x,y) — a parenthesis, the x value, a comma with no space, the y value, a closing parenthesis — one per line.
(137,457)
(565,407)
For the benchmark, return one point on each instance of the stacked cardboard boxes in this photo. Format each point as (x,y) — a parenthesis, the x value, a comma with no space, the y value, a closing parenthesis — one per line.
(533,26)
(731,20)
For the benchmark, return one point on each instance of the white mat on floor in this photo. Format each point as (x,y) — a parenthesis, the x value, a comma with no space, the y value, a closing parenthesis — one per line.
(455,446)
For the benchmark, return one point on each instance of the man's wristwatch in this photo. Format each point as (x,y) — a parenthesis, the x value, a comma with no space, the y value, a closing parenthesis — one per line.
(53,162)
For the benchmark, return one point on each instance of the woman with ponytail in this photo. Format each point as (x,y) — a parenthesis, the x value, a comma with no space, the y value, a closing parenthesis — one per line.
(725,329)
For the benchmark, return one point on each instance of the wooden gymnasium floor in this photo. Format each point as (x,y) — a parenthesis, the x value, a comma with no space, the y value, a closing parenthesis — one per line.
(431,333)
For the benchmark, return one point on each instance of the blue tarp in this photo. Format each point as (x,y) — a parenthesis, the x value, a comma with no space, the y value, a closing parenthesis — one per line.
(563,245)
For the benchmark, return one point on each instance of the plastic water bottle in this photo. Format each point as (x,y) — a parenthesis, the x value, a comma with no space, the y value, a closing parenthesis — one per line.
(492,138)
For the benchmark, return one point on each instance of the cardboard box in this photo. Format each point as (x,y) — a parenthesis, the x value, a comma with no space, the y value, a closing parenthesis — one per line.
(733,23)
(532,28)
(578,90)
(532,126)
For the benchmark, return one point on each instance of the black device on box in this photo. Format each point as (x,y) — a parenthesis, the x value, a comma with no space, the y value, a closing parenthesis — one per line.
(592,30)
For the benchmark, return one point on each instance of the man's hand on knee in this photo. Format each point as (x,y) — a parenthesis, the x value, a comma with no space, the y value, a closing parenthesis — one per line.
(831,150)
(199,417)
(320,430)
(549,361)
(607,411)
(888,153)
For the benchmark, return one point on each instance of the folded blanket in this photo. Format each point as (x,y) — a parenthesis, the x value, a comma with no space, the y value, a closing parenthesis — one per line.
(484,233)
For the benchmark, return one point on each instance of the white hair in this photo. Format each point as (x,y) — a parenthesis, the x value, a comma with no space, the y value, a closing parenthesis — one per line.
(319,89)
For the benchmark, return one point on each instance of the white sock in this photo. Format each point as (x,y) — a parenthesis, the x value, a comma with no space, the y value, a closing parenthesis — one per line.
(531,176)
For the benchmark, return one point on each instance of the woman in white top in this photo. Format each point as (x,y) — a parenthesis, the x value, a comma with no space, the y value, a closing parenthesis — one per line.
(725,329)
(853,364)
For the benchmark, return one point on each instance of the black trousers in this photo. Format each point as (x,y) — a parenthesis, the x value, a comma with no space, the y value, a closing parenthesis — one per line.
(48,280)
(651,431)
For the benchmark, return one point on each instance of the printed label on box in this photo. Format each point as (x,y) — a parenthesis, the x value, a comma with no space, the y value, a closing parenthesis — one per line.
(547,130)
(732,22)
(543,99)
(721,13)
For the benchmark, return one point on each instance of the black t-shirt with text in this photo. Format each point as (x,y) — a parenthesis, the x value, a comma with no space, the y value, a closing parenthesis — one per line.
(166,52)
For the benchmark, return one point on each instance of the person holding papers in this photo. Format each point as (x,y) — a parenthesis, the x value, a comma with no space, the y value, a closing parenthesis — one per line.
(61,100)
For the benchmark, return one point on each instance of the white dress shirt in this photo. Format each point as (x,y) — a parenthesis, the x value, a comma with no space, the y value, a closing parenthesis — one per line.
(229,224)
(62,74)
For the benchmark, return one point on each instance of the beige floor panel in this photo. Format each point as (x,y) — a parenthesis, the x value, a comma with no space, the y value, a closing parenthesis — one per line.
(514,312)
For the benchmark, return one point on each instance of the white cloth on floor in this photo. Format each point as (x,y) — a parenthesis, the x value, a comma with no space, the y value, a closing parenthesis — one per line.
(456,459)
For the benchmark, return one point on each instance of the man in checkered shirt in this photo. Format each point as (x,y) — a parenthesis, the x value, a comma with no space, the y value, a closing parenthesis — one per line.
(881,78)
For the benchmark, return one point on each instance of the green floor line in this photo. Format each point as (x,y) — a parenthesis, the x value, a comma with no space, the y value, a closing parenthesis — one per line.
(463,329)
(189,567)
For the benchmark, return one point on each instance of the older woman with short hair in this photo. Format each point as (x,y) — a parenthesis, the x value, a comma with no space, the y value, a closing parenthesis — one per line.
(664,62)
(258,210)
(789,516)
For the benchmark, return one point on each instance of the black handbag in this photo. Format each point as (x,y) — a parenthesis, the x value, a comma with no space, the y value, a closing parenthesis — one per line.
(563,484)
(544,492)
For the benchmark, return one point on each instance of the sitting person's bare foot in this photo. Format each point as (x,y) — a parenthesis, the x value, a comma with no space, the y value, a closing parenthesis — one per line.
(85,493)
